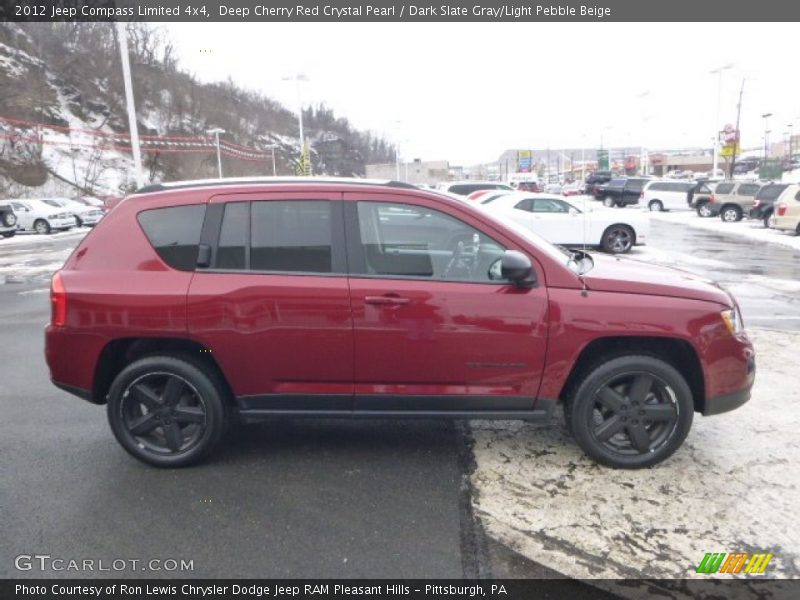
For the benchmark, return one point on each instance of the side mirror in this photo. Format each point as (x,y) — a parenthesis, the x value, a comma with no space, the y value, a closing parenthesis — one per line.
(517,268)
(204,255)
(573,211)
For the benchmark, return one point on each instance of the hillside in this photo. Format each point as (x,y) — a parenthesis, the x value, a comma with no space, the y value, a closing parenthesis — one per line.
(63,123)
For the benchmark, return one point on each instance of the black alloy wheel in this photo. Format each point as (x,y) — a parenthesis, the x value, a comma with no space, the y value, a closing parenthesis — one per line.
(166,411)
(631,412)
(618,239)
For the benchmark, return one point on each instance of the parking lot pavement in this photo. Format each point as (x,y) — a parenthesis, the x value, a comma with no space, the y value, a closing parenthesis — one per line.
(733,486)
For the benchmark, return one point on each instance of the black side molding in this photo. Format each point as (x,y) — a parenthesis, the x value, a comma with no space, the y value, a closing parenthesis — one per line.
(76,391)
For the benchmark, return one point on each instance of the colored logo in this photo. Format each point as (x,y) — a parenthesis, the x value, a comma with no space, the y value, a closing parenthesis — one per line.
(738,562)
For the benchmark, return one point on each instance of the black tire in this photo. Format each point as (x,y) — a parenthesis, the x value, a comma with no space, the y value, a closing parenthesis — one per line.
(618,239)
(730,213)
(609,408)
(41,226)
(179,407)
(9,234)
(655,206)
(78,221)
(609,202)
(797,231)
(766,218)
(703,210)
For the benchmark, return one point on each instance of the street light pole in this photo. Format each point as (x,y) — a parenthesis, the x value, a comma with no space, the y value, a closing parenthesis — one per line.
(717,127)
(134,129)
(298,77)
(274,169)
(216,131)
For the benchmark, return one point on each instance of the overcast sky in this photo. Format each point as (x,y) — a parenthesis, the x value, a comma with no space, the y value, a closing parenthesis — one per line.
(466,92)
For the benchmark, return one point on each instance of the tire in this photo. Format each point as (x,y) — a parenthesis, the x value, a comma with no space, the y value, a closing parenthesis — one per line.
(730,213)
(797,231)
(41,226)
(9,234)
(609,202)
(766,218)
(703,210)
(167,411)
(618,239)
(630,412)
(655,206)
(78,221)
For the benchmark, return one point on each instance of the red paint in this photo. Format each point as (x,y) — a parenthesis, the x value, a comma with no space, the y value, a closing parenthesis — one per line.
(307,334)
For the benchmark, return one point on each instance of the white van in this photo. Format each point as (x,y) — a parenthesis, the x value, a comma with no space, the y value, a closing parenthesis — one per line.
(661,195)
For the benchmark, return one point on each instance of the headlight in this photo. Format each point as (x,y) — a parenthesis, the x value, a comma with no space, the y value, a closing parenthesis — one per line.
(52,216)
(733,320)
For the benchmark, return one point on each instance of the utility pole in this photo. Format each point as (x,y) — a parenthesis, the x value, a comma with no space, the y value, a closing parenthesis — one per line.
(718,72)
(766,117)
(134,129)
(215,132)
(737,132)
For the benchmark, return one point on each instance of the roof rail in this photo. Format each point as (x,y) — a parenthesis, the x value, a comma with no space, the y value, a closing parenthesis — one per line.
(178,185)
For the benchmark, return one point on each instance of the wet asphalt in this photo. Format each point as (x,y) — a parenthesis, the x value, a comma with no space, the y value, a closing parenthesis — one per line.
(301,498)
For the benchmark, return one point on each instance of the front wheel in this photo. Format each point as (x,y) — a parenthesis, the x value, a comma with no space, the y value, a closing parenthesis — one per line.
(703,210)
(41,226)
(166,411)
(631,412)
(618,239)
(609,202)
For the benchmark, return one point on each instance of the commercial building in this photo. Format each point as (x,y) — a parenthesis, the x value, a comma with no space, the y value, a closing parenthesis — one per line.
(417,171)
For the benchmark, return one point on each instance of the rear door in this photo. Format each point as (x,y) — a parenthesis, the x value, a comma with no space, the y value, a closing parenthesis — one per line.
(273,302)
(434,327)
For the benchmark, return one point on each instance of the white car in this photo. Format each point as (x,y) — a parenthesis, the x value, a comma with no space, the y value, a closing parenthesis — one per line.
(465,188)
(37,216)
(84,215)
(664,194)
(563,223)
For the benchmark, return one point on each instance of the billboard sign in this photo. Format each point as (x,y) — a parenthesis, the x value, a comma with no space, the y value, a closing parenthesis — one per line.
(524,161)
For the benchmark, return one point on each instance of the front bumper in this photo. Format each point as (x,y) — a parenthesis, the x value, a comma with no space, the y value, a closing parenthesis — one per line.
(734,380)
(63,223)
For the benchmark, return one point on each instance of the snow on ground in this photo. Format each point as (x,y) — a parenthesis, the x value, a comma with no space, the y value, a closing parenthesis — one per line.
(733,486)
(751,229)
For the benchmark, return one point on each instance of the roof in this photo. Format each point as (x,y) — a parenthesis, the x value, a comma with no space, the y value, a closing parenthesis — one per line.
(178,185)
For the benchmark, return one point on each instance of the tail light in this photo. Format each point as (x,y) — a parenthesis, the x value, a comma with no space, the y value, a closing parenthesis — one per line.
(641,194)
(58,302)
(782,209)
(712,199)
(757,203)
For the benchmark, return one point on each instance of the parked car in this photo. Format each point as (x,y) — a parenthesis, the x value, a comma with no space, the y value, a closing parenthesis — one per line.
(595,180)
(732,200)
(764,204)
(35,215)
(699,197)
(529,186)
(622,191)
(787,210)
(563,223)
(576,188)
(8,221)
(351,298)
(553,188)
(659,195)
(84,215)
(465,188)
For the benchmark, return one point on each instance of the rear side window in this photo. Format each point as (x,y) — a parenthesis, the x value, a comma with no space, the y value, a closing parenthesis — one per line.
(724,188)
(291,236)
(174,233)
(658,187)
(770,192)
(636,185)
(748,189)
(616,183)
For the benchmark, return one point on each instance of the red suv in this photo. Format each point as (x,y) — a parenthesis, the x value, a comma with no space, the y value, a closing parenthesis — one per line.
(195,305)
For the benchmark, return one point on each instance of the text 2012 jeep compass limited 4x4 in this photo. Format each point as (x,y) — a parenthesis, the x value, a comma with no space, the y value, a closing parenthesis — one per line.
(194,304)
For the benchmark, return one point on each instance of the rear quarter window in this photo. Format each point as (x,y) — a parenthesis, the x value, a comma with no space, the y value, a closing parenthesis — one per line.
(748,189)
(770,192)
(174,233)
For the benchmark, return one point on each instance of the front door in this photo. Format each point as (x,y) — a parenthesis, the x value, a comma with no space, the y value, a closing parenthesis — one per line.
(273,304)
(434,327)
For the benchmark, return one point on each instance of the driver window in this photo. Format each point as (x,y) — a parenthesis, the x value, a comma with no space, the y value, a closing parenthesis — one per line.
(404,240)
(548,205)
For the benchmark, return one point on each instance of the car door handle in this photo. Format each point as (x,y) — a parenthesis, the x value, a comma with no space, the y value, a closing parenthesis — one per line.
(386,300)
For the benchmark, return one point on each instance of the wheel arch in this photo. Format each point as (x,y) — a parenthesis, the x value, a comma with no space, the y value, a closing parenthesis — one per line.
(119,353)
(677,352)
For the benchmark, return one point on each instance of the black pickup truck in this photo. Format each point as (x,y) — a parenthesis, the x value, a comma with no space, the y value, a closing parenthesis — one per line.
(8,221)
(595,180)
(621,191)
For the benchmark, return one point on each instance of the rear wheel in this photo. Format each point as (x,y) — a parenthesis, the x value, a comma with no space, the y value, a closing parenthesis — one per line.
(167,411)
(609,202)
(41,226)
(767,218)
(9,234)
(655,206)
(631,412)
(703,210)
(618,239)
(730,213)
